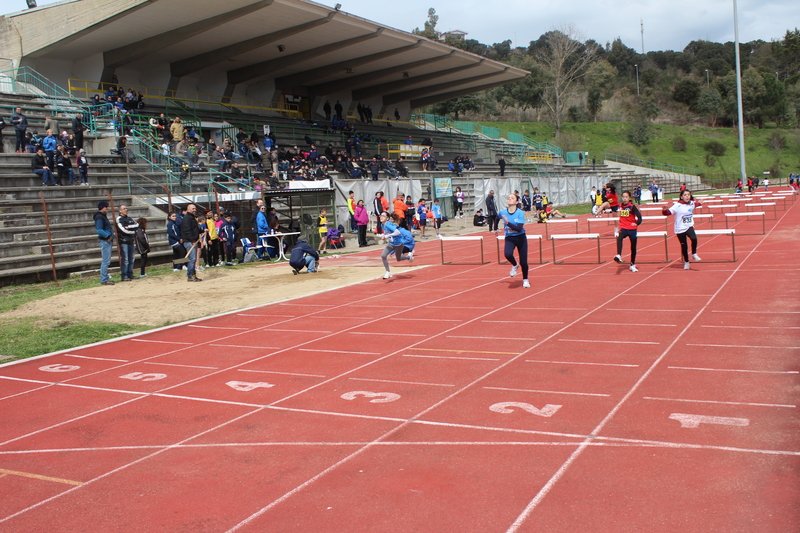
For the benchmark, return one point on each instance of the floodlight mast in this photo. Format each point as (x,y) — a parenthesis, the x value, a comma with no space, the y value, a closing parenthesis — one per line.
(742,168)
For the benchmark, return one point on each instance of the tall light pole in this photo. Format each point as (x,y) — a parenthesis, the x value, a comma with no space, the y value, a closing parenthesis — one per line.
(708,82)
(742,167)
(637,79)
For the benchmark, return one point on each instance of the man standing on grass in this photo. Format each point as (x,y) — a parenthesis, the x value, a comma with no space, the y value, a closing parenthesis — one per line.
(105,239)
(190,233)
(126,228)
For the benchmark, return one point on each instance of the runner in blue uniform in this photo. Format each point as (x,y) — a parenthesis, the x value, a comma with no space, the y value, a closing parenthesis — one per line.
(514,219)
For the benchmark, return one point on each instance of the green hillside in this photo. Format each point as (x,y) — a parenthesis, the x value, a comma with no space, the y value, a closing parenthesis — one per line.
(763,146)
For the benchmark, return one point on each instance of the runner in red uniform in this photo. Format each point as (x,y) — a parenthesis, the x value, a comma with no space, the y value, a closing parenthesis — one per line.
(612,201)
(629,219)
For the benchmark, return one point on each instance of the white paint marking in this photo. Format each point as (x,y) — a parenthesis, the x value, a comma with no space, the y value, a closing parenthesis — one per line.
(377,397)
(505,408)
(490,338)
(298,330)
(719,402)
(183,366)
(141,376)
(580,363)
(548,391)
(693,421)
(335,351)
(627,324)
(448,357)
(430,319)
(753,327)
(653,310)
(216,327)
(270,315)
(520,322)
(405,382)
(372,333)
(247,386)
(95,358)
(241,346)
(284,373)
(736,370)
(162,342)
(58,368)
(761,312)
(594,341)
(745,346)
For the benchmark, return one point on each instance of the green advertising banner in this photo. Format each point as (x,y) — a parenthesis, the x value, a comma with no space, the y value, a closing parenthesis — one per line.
(443,187)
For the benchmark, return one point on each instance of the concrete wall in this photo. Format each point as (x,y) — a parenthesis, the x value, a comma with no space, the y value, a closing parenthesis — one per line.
(661,176)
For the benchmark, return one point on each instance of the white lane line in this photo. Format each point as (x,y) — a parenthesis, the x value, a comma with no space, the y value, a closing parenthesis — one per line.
(720,402)
(736,370)
(276,372)
(521,322)
(26,392)
(635,325)
(335,351)
(217,327)
(659,310)
(490,338)
(593,341)
(554,309)
(744,346)
(405,382)
(95,358)
(580,363)
(441,307)
(431,319)
(548,391)
(245,346)
(760,312)
(448,357)
(162,342)
(373,333)
(267,315)
(268,329)
(753,327)
(184,366)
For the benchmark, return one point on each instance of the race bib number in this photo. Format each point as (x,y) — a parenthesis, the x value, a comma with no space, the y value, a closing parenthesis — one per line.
(624,213)
(686,219)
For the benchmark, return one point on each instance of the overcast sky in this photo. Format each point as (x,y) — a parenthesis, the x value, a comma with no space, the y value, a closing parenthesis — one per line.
(668,24)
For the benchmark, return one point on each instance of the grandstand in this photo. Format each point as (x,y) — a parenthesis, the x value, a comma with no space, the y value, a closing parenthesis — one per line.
(41,81)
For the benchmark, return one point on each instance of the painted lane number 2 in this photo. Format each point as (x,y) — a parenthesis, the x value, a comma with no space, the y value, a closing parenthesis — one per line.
(506,408)
(377,397)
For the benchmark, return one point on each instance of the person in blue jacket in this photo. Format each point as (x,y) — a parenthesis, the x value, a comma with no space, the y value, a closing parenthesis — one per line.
(105,238)
(392,233)
(228,236)
(514,220)
(262,227)
(303,255)
(174,239)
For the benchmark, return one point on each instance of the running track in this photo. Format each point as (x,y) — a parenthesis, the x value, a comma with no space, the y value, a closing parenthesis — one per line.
(445,399)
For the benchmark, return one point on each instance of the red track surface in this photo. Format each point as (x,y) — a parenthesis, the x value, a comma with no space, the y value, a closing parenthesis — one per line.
(445,399)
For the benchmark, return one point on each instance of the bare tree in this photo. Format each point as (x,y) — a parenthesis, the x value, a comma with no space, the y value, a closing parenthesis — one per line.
(563,59)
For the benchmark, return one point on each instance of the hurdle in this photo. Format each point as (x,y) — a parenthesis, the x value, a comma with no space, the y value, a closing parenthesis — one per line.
(650,209)
(786,194)
(608,222)
(575,236)
(661,217)
(466,238)
(721,207)
(763,216)
(703,217)
(730,232)
(501,261)
(658,234)
(563,221)
(766,204)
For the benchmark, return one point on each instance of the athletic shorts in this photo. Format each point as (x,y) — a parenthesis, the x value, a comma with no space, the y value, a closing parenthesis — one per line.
(423,221)
(614,208)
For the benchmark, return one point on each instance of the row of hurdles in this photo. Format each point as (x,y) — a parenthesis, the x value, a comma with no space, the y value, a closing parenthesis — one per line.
(715,204)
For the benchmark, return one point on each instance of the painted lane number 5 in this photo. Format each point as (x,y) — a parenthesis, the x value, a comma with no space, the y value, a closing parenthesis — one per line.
(506,407)
(377,397)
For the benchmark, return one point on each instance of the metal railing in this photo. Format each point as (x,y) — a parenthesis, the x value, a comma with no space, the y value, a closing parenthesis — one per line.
(652,164)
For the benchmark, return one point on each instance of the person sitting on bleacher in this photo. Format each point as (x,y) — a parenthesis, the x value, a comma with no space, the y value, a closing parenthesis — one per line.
(220,158)
(402,170)
(388,168)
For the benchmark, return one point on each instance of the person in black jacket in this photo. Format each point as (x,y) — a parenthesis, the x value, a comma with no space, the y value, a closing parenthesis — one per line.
(303,255)
(126,232)
(491,212)
(20,123)
(142,245)
(174,239)
(40,168)
(190,234)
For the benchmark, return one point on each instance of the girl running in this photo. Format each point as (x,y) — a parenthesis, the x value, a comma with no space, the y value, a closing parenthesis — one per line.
(611,200)
(514,219)
(391,231)
(629,219)
(684,224)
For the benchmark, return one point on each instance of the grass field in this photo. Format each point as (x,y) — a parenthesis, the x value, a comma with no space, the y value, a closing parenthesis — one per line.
(599,138)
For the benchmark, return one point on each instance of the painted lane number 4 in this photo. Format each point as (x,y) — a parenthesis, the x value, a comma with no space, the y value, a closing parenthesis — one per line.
(506,408)
(377,397)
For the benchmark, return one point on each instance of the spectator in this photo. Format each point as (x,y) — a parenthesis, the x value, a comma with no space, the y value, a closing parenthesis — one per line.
(174,239)
(176,129)
(362,219)
(190,234)
(388,168)
(105,239)
(126,231)
(78,127)
(213,245)
(409,141)
(40,168)
(64,166)
(327,109)
(303,256)
(400,167)
(142,245)
(50,123)
(49,144)
(502,163)
(338,108)
(228,236)
(20,123)
(83,167)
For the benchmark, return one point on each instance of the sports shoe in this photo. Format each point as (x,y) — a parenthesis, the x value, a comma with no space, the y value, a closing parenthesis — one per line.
(526,284)
(176,269)
(686,266)
(142,275)
(633,268)
(513,271)
(230,264)
(387,275)
(294,271)
(618,258)
(109,282)
(696,257)
(410,256)
(195,278)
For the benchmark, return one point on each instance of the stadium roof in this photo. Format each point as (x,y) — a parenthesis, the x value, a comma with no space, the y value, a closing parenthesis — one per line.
(245,49)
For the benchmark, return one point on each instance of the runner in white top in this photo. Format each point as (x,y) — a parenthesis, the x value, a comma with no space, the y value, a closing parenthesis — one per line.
(684,224)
